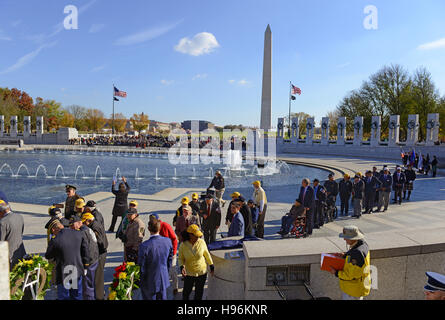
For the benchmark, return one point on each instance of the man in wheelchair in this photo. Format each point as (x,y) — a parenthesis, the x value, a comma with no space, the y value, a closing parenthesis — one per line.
(295,215)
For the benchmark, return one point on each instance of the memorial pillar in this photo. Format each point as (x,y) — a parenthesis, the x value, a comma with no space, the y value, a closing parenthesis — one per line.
(310,125)
(295,131)
(26,126)
(341,131)
(394,131)
(432,129)
(325,131)
(413,130)
(39,127)
(376,125)
(13,128)
(358,131)
(2,126)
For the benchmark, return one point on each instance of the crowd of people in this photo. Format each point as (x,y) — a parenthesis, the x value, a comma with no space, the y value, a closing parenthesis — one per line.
(77,239)
(141,141)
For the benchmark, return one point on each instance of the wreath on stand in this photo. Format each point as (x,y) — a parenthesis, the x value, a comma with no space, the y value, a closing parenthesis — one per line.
(280,126)
(375,125)
(324,125)
(309,126)
(392,125)
(294,126)
(125,280)
(32,269)
(357,125)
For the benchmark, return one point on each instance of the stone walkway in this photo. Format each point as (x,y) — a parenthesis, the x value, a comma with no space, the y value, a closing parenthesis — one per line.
(423,212)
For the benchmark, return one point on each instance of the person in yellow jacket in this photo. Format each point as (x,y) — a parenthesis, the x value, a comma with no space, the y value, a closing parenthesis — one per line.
(260,200)
(355,278)
(194,257)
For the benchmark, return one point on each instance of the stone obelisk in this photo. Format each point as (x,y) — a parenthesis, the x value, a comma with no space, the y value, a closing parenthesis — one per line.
(266,99)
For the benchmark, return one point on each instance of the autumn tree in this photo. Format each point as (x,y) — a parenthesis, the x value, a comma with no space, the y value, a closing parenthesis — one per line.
(140,122)
(95,120)
(79,114)
(120,122)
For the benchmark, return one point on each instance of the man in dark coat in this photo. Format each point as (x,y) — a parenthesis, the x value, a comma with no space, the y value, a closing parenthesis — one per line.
(71,197)
(398,181)
(120,203)
(211,218)
(91,208)
(306,198)
(155,259)
(11,230)
(410,176)
(91,264)
(69,250)
(345,190)
(358,189)
(218,184)
(320,202)
(384,190)
(102,242)
(371,185)
(332,189)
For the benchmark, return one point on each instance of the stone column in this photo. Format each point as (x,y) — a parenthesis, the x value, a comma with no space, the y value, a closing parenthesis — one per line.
(394,131)
(310,126)
(13,128)
(341,131)
(358,131)
(266,99)
(39,127)
(376,125)
(413,130)
(280,130)
(295,131)
(432,129)
(26,126)
(325,131)
(2,126)
(4,271)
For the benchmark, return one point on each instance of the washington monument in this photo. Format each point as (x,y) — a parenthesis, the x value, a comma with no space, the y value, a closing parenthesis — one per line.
(266,99)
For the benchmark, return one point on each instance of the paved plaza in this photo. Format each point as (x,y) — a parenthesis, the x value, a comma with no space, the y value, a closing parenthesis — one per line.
(423,212)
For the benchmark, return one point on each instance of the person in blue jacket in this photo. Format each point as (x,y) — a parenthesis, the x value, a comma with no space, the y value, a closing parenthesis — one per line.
(155,259)
(237,226)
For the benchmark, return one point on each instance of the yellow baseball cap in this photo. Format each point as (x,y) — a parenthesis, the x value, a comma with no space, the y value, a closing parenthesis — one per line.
(256,183)
(134,203)
(80,203)
(195,196)
(87,216)
(185,200)
(194,229)
(235,195)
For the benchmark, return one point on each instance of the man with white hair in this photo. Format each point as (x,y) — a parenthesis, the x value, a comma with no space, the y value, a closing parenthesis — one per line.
(11,230)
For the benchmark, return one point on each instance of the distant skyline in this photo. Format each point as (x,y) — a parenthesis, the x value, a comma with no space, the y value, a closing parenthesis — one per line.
(202,60)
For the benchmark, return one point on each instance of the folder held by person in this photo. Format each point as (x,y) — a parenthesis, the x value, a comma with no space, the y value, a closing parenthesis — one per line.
(330,260)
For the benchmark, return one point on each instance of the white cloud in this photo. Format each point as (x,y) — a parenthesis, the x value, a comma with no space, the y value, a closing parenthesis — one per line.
(145,35)
(432,45)
(200,76)
(98,68)
(96,28)
(201,43)
(242,82)
(167,82)
(26,59)
(344,65)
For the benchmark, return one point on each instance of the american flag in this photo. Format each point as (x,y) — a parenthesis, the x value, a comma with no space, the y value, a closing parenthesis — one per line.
(296,90)
(118,93)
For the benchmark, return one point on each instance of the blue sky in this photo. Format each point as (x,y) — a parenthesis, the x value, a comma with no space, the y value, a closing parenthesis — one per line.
(181,60)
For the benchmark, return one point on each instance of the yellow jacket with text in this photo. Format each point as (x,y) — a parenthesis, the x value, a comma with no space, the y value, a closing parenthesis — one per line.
(355,278)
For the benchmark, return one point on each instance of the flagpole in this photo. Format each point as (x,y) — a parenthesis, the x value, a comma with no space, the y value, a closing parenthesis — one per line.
(290,101)
(112,122)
